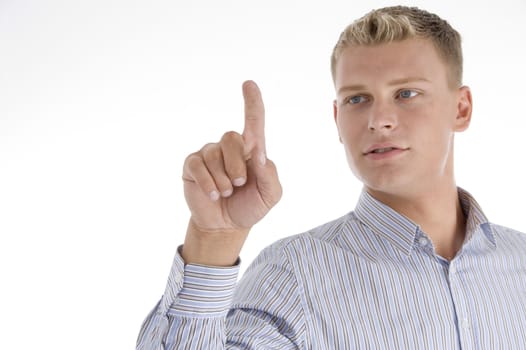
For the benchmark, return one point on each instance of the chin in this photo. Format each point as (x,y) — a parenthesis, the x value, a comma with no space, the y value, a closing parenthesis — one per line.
(384,180)
(390,185)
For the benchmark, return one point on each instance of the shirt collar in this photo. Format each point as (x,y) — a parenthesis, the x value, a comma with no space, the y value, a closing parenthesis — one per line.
(402,232)
(476,219)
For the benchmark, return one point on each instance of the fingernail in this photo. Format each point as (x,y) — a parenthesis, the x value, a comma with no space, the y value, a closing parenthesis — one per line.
(262,158)
(226,193)
(240,181)
(214,195)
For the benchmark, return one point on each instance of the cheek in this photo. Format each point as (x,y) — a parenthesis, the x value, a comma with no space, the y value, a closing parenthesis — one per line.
(435,141)
(350,134)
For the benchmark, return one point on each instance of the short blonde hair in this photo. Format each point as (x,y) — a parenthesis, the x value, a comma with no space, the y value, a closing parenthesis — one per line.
(398,23)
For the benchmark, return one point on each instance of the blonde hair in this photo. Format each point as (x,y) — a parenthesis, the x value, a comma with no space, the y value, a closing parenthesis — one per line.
(398,23)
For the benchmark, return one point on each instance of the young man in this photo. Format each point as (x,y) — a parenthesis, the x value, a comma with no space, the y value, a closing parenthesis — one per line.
(416,265)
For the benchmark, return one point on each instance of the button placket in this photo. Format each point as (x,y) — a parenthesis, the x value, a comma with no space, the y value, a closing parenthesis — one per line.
(462,309)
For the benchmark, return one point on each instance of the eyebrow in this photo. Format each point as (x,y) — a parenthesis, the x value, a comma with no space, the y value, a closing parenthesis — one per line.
(360,87)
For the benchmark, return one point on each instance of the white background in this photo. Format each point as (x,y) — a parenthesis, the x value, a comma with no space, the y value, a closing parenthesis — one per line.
(101,101)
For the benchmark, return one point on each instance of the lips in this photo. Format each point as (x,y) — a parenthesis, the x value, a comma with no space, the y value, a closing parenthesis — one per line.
(383,148)
(384,152)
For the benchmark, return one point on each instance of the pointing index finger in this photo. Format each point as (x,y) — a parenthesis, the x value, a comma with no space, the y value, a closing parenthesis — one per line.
(254,131)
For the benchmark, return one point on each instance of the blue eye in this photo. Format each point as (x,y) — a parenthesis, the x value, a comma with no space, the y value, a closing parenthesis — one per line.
(356,99)
(407,94)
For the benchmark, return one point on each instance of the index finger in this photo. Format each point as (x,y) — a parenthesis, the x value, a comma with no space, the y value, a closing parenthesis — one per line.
(254,130)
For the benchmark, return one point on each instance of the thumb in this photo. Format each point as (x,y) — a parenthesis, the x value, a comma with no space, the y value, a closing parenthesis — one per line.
(267,182)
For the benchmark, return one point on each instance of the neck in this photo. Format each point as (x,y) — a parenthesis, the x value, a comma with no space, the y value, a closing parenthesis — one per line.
(437,212)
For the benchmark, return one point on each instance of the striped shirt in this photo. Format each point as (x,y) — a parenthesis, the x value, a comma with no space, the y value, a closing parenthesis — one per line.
(368,280)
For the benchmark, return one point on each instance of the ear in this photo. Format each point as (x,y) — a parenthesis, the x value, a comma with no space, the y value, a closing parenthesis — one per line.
(335,114)
(464,109)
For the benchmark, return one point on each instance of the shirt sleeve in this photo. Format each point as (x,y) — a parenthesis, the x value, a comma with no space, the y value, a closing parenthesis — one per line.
(202,308)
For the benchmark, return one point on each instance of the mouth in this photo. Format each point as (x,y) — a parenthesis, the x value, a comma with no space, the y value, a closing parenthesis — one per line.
(383,150)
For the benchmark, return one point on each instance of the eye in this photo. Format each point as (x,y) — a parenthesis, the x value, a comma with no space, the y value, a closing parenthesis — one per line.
(406,94)
(353,100)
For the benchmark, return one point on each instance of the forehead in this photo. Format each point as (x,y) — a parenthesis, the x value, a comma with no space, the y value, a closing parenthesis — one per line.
(377,64)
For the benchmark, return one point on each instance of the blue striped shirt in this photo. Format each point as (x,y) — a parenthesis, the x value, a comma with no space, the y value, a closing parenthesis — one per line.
(368,280)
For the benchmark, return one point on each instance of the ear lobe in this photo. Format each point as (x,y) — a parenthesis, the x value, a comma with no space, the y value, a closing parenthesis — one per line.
(464,109)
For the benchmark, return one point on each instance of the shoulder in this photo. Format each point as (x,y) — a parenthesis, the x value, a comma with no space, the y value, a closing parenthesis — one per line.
(318,240)
(327,232)
(289,258)
(508,234)
(509,242)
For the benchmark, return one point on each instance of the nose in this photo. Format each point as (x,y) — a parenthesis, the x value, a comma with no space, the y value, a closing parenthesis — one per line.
(382,117)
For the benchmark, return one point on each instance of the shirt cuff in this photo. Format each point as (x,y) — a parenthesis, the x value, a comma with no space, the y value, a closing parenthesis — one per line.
(200,291)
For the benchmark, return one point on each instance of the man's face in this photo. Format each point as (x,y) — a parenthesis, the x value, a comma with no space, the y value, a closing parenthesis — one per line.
(396,115)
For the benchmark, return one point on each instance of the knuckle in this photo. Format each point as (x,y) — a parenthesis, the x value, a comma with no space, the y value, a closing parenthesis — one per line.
(194,162)
(211,152)
(231,137)
(206,148)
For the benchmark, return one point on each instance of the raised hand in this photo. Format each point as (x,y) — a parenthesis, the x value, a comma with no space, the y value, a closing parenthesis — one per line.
(229,186)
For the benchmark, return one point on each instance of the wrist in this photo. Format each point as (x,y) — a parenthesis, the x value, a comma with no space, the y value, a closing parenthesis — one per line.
(212,248)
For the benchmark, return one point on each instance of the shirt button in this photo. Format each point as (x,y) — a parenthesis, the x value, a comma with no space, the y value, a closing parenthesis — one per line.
(177,279)
(465,323)
(423,241)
